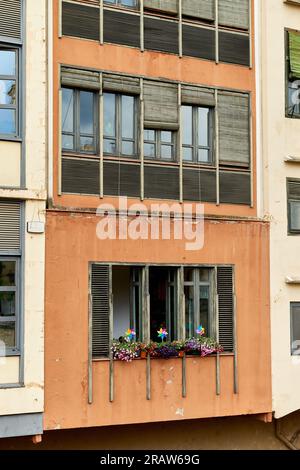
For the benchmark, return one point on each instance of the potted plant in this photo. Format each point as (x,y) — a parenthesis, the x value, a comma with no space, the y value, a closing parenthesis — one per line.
(124,350)
(143,350)
(166,350)
(193,346)
(180,347)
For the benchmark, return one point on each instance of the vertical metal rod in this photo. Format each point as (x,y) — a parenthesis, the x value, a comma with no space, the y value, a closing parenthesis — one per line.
(251,150)
(180,28)
(142,43)
(184,376)
(217,29)
(101,153)
(59,19)
(59,189)
(217,147)
(90,367)
(111,322)
(101,14)
(180,145)
(148,377)
(141,133)
(218,381)
(250,35)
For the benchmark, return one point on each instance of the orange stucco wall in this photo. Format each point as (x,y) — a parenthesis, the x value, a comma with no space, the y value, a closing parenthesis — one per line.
(71,245)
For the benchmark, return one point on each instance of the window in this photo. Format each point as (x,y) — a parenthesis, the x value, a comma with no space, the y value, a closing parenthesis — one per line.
(79,121)
(293,189)
(123,3)
(159,144)
(292,74)
(295,328)
(9,303)
(196,134)
(120,125)
(8,92)
(198,300)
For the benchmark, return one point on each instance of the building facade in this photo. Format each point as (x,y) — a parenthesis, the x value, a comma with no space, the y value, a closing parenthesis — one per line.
(22,215)
(154,106)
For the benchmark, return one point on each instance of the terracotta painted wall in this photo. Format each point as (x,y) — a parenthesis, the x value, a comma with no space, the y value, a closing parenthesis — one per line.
(71,244)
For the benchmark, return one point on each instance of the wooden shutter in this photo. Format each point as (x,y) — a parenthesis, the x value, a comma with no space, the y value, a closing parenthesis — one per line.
(121,179)
(80,176)
(100,291)
(198,42)
(234,128)
(235,188)
(121,84)
(161,182)
(234,48)
(10,225)
(121,28)
(161,35)
(234,13)
(225,307)
(169,6)
(80,78)
(199,185)
(204,9)
(197,96)
(80,21)
(161,105)
(11,19)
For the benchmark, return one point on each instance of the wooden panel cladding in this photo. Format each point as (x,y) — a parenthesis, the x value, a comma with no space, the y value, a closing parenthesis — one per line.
(121,28)
(161,35)
(121,179)
(161,182)
(121,84)
(168,6)
(197,95)
(80,176)
(161,105)
(198,42)
(100,292)
(225,307)
(81,21)
(79,78)
(235,187)
(234,13)
(10,225)
(204,9)
(234,48)
(11,19)
(199,185)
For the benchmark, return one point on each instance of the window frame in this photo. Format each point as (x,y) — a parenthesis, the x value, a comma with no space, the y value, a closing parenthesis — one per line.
(76,134)
(159,143)
(293,304)
(288,82)
(195,147)
(17,79)
(12,351)
(118,3)
(118,127)
(290,201)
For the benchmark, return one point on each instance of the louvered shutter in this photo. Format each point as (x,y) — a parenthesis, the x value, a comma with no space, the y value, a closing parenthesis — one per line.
(197,95)
(234,13)
(121,28)
(234,48)
(100,291)
(161,35)
(80,21)
(10,225)
(225,307)
(198,42)
(121,179)
(293,192)
(169,6)
(235,187)
(78,78)
(11,19)
(161,182)
(204,9)
(199,185)
(234,142)
(80,176)
(121,84)
(161,105)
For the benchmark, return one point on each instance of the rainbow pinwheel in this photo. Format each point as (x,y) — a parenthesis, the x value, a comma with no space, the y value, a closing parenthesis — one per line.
(200,330)
(130,334)
(162,333)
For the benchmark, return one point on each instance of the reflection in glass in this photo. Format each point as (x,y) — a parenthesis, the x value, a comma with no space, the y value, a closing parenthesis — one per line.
(7,334)
(149,134)
(7,273)
(109,146)
(149,150)
(67,110)
(7,121)
(295,215)
(187,125)
(86,112)
(86,144)
(187,154)
(7,304)
(127,148)
(127,117)
(8,92)
(189,310)
(109,114)
(203,155)
(203,127)
(7,63)
(166,136)
(166,152)
(67,142)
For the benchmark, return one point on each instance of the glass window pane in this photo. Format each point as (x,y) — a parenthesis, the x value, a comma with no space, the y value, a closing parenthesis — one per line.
(87,144)
(187,154)
(86,112)
(149,150)
(187,125)
(295,215)
(166,136)
(7,335)
(128,117)
(149,135)
(7,62)
(188,274)
(7,304)
(189,311)
(7,273)
(67,142)
(109,146)
(127,148)
(166,152)
(203,155)
(204,308)
(7,121)
(295,314)
(128,3)
(204,275)
(203,123)
(109,114)
(67,110)
(7,92)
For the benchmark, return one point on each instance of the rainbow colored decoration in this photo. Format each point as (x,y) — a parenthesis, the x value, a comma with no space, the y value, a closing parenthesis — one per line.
(162,333)
(130,334)
(200,330)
